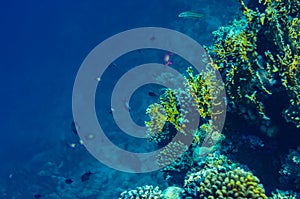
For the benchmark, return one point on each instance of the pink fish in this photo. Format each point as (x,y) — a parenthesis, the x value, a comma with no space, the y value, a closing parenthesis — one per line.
(167,58)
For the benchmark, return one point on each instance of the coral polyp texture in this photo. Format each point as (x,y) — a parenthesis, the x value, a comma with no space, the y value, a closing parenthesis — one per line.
(258,56)
(216,183)
(171,153)
(145,192)
(218,177)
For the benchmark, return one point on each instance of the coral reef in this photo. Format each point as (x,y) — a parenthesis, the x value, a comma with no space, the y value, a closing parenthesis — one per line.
(218,183)
(191,158)
(258,55)
(170,153)
(168,116)
(172,193)
(157,114)
(145,192)
(279,194)
(170,113)
(215,176)
(290,172)
(150,192)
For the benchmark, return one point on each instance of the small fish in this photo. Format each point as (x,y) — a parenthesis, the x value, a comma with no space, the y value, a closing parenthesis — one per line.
(10,176)
(68,181)
(72,145)
(37,196)
(188,14)
(167,59)
(152,94)
(86,176)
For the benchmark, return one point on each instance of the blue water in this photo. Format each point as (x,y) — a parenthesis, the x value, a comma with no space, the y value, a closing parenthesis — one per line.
(43,44)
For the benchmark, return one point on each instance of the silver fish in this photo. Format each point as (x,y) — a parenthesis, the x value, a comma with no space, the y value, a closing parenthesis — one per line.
(189,14)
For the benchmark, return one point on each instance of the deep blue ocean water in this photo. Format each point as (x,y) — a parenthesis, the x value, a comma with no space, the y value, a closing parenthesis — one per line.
(43,44)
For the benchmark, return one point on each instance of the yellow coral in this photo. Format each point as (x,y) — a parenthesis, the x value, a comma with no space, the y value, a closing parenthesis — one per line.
(158,118)
(175,104)
(170,153)
(261,50)
(236,183)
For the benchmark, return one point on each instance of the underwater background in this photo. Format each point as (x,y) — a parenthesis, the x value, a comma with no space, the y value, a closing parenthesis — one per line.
(255,45)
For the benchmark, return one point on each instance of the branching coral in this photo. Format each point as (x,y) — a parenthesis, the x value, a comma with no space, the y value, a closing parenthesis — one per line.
(177,107)
(258,56)
(168,114)
(145,192)
(196,98)
(158,117)
(279,194)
